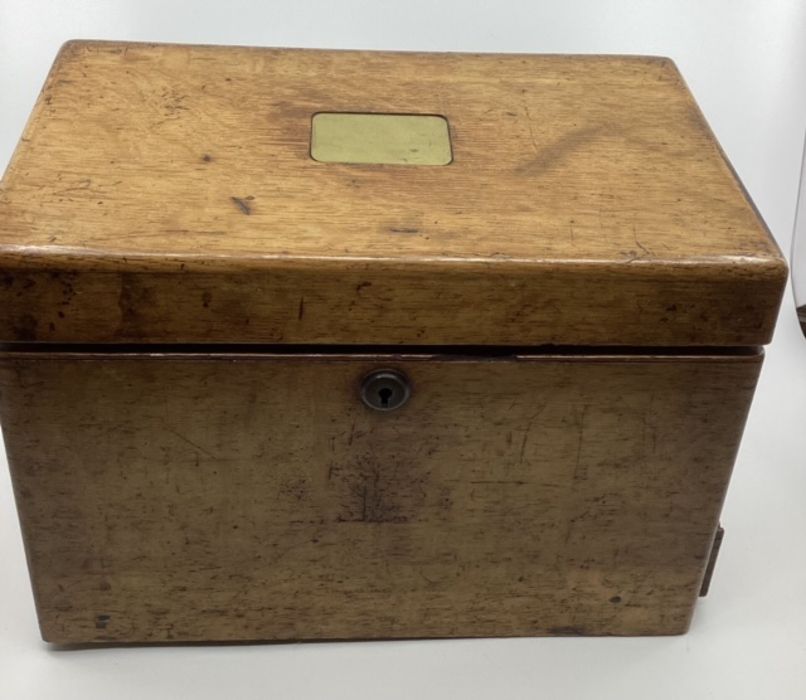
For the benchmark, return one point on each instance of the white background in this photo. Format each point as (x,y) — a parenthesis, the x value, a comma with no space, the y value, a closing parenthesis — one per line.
(745,61)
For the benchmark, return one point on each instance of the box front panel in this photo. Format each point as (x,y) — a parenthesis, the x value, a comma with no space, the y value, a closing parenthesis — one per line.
(254,496)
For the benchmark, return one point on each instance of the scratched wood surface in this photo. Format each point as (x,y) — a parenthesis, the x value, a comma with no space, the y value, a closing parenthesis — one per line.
(181,498)
(165,193)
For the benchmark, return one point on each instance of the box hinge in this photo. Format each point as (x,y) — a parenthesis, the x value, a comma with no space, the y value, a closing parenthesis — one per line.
(709,570)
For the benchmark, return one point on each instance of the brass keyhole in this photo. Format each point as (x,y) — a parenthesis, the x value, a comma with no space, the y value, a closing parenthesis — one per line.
(385,390)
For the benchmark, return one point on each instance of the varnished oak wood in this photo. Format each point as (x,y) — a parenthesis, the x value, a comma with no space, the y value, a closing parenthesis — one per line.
(166,193)
(234,497)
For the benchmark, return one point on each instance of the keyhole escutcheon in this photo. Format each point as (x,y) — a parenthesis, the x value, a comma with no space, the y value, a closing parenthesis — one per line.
(385,390)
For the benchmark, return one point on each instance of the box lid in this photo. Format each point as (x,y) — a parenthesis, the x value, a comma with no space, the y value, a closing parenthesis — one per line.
(165,193)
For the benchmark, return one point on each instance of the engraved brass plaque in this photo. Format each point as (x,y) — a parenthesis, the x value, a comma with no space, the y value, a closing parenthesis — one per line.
(394,139)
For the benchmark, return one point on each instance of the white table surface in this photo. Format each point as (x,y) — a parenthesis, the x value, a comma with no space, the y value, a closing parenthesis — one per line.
(746,64)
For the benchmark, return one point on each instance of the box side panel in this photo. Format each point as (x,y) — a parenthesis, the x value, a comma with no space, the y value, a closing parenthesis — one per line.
(170,498)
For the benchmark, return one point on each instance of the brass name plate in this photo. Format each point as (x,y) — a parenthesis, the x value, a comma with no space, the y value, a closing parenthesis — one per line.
(394,139)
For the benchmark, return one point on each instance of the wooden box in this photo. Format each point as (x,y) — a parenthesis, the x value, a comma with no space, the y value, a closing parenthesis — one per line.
(318,344)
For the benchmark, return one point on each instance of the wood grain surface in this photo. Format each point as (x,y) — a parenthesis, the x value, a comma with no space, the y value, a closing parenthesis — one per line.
(165,193)
(240,497)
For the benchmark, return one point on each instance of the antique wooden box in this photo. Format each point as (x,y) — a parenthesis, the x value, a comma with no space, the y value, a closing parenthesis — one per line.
(319,344)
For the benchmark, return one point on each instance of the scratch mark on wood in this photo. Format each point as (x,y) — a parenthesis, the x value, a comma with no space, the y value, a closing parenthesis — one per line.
(639,244)
(242,204)
(531,130)
(527,432)
(191,443)
(579,468)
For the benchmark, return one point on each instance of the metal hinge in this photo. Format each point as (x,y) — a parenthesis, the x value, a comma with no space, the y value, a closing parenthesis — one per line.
(709,570)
